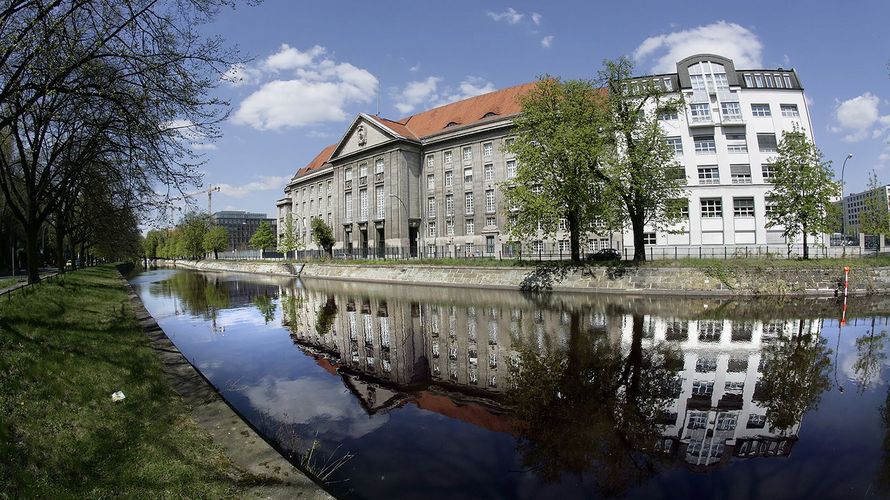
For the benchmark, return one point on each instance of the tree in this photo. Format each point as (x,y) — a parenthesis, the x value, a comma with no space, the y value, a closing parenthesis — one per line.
(263,238)
(802,189)
(557,147)
(639,168)
(216,239)
(153,243)
(192,229)
(288,241)
(875,216)
(323,235)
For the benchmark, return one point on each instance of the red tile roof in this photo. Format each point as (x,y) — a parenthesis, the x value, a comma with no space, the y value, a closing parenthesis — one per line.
(501,103)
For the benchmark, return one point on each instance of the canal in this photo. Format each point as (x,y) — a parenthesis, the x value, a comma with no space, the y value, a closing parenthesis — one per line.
(399,391)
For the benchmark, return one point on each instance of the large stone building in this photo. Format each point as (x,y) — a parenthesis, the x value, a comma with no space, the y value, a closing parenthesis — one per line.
(241,225)
(430,180)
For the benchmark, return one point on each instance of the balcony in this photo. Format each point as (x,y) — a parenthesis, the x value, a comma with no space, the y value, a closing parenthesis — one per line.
(701,121)
(732,119)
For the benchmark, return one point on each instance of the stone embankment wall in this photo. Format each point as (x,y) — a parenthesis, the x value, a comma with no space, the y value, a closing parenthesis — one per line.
(663,280)
(236,266)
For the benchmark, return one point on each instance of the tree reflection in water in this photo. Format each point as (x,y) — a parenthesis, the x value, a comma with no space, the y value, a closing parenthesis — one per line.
(201,294)
(795,377)
(266,306)
(593,408)
(870,357)
(327,312)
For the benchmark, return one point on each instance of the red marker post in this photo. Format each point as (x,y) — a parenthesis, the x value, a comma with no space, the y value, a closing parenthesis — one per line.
(846,285)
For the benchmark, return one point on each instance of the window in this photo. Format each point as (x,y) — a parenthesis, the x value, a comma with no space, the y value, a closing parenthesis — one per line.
(449,204)
(329,187)
(347,176)
(431,229)
(449,228)
(430,182)
(488,172)
(698,82)
(491,221)
(736,143)
(649,238)
(468,178)
(487,149)
(468,203)
(563,224)
(468,153)
(363,204)
(749,82)
(509,141)
(711,207)
(756,421)
(741,174)
(758,81)
(449,156)
(537,246)
(380,198)
(769,172)
(787,79)
(430,161)
(431,208)
(564,247)
(469,249)
(743,207)
(720,81)
(348,206)
(449,179)
(702,388)
(769,206)
(726,421)
(704,144)
(767,143)
(378,166)
(668,84)
(789,110)
(362,169)
(760,109)
(706,364)
(489,200)
(668,115)
(511,169)
(677,144)
(701,113)
(732,111)
(471,227)
(679,207)
(697,420)
(708,175)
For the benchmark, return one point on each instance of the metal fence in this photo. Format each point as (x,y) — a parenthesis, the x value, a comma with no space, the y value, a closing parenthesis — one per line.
(25,287)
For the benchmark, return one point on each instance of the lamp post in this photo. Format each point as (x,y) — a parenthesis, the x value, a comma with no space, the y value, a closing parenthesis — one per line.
(844,205)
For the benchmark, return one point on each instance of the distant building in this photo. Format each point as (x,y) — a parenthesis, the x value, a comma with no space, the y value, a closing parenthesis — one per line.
(855,204)
(241,226)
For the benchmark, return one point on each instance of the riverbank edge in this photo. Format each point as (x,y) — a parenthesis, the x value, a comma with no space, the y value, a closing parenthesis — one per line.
(691,281)
(228,429)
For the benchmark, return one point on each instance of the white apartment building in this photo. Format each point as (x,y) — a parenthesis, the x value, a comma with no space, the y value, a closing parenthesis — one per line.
(855,204)
(430,182)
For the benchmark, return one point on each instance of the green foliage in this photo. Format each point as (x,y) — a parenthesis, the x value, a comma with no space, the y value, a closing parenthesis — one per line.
(802,189)
(557,147)
(153,243)
(875,216)
(192,228)
(266,306)
(263,238)
(324,319)
(322,234)
(216,240)
(638,168)
(289,242)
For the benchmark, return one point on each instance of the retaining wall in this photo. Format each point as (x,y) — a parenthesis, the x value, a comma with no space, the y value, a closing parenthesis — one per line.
(259,267)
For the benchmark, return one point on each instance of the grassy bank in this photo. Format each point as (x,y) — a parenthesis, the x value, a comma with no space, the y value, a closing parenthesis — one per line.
(64,349)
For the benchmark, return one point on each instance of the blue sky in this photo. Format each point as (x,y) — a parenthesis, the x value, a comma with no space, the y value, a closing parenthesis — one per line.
(315,65)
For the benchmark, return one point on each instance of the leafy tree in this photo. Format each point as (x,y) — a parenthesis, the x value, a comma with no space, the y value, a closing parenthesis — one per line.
(323,235)
(288,241)
(215,240)
(263,238)
(192,229)
(266,306)
(152,245)
(875,216)
(802,189)
(557,147)
(795,377)
(639,168)
(871,357)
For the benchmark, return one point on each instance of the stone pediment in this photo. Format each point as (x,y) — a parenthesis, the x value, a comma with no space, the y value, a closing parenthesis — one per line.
(365,133)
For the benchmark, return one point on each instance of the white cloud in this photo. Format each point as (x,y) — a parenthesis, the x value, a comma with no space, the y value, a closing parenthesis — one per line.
(240,74)
(727,39)
(317,90)
(510,16)
(288,57)
(415,68)
(200,146)
(536,18)
(416,93)
(857,116)
(471,86)
(547,41)
(262,183)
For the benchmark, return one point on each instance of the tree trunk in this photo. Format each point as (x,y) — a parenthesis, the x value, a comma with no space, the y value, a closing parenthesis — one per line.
(638,226)
(31,232)
(574,236)
(635,360)
(806,252)
(60,248)
(215,254)
(73,250)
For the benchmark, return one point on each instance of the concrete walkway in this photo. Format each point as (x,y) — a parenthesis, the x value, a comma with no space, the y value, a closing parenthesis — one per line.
(241,444)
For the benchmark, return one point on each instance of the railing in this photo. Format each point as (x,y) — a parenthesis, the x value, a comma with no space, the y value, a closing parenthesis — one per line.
(23,287)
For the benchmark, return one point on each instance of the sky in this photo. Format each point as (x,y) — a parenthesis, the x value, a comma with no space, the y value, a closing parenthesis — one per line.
(315,65)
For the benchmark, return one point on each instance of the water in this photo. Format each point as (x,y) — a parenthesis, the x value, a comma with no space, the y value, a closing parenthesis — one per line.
(424,392)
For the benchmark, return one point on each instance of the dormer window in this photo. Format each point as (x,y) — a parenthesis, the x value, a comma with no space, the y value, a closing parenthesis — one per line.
(452,124)
(489,115)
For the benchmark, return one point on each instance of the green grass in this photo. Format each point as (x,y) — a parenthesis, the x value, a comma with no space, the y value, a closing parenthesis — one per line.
(64,348)
(8,282)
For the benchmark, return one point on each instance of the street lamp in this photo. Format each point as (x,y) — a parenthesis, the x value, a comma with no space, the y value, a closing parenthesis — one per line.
(844,205)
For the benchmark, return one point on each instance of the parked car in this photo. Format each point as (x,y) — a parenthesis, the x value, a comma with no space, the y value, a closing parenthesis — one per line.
(604,255)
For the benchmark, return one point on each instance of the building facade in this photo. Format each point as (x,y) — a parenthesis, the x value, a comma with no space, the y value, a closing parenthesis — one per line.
(855,205)
(241,225)
(429,183)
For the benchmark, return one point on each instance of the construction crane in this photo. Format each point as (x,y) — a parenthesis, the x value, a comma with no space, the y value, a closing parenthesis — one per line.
(210,190)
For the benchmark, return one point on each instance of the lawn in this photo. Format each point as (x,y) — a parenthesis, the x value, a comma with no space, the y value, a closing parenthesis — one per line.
(65,347)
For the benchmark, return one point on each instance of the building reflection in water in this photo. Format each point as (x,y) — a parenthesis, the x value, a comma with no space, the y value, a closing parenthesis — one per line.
(702,390)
